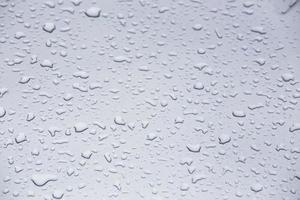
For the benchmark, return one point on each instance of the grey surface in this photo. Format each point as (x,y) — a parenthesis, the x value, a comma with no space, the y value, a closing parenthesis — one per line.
(147,99)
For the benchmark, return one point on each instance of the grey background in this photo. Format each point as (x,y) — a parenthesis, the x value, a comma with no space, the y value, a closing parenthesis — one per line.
(155,100)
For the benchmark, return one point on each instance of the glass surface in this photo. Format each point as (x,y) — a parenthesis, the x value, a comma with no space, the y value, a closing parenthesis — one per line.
(154,100)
